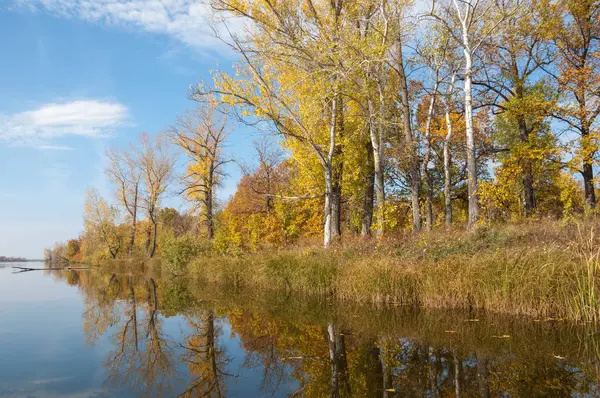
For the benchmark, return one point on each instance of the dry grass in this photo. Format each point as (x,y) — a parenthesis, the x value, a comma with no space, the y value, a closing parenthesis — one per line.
(543,268)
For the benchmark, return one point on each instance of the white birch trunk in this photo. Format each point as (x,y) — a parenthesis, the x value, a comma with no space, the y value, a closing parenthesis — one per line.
(470,135)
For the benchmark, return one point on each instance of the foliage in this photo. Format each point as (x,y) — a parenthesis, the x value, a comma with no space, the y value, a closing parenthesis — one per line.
(178,252)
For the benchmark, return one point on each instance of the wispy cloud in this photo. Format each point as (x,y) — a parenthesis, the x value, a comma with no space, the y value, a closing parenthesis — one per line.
(55,147)
(188,21)
(88,118)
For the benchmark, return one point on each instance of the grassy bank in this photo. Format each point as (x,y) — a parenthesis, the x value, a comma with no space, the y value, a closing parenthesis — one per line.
(542,269)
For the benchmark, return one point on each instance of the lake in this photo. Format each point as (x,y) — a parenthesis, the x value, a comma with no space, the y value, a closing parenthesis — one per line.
(95,334)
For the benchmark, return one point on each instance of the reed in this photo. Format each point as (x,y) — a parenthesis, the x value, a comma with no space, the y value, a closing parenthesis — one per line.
(541,269)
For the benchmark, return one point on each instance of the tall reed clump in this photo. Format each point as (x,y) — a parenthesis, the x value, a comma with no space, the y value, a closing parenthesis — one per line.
(312,272)
(586,300)
(380,279)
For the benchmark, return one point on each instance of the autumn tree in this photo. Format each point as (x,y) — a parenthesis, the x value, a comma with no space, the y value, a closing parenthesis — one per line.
(202,135)
(283,60)
(510,83)
(574,27)
(470,23)
(101,221)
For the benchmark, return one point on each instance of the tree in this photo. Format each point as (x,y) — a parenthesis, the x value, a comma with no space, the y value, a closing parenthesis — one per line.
(156,165)
(265,176)
(283,59)
(447,156)
(202,134)
(470,23)
(433,57)
(73,248)
(125,173)
(409,139)
(573,25)
(510,75)
(101,222)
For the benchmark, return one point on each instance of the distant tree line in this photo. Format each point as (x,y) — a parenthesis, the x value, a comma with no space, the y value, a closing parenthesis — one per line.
(4,259)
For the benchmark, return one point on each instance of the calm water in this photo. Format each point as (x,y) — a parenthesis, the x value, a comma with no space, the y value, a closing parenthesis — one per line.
(90,334)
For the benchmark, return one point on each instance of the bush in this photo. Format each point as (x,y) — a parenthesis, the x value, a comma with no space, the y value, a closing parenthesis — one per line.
(178,252)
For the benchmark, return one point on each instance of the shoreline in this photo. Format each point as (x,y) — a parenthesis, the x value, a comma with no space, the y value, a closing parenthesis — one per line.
(546,269)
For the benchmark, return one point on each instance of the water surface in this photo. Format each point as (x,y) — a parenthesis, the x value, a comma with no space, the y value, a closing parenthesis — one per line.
(96,334)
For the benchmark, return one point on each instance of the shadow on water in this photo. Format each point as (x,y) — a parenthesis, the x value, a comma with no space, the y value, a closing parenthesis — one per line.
(313,347)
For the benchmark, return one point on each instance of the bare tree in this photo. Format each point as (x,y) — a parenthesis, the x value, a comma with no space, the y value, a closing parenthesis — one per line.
(156,164)
(266,175)
(125,173)
(202,135)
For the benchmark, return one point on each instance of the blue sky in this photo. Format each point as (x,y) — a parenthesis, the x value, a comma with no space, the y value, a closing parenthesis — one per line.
(79,76)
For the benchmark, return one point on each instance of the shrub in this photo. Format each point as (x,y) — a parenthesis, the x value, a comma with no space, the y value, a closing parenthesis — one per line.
(178,252)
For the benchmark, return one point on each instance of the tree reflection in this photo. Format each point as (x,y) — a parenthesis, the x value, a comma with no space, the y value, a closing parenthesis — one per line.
(312,351)
(205,358)
(340,386)
(141,357)
(100,311)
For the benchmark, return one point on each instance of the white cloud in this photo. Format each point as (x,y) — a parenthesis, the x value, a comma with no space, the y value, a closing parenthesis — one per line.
(88,118)
(188,21)
(55,147)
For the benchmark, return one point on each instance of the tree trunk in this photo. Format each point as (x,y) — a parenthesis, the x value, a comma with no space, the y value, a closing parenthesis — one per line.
(588,172)
(470,133)
(154,231)
(148,237)
(133,222)
(588,184)
(447,175)
(329,230)
(457,367)
(426,175)
(134,312)
(339,383)
(528,192)
(336,209)
(328,199)
(376,144)
(388,382)
(208,210)
(482,377)
(338,171)
(367,218)
(373,370)
(411,149)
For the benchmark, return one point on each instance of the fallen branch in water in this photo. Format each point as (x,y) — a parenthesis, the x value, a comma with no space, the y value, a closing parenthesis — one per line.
(25,269)
(300,358)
